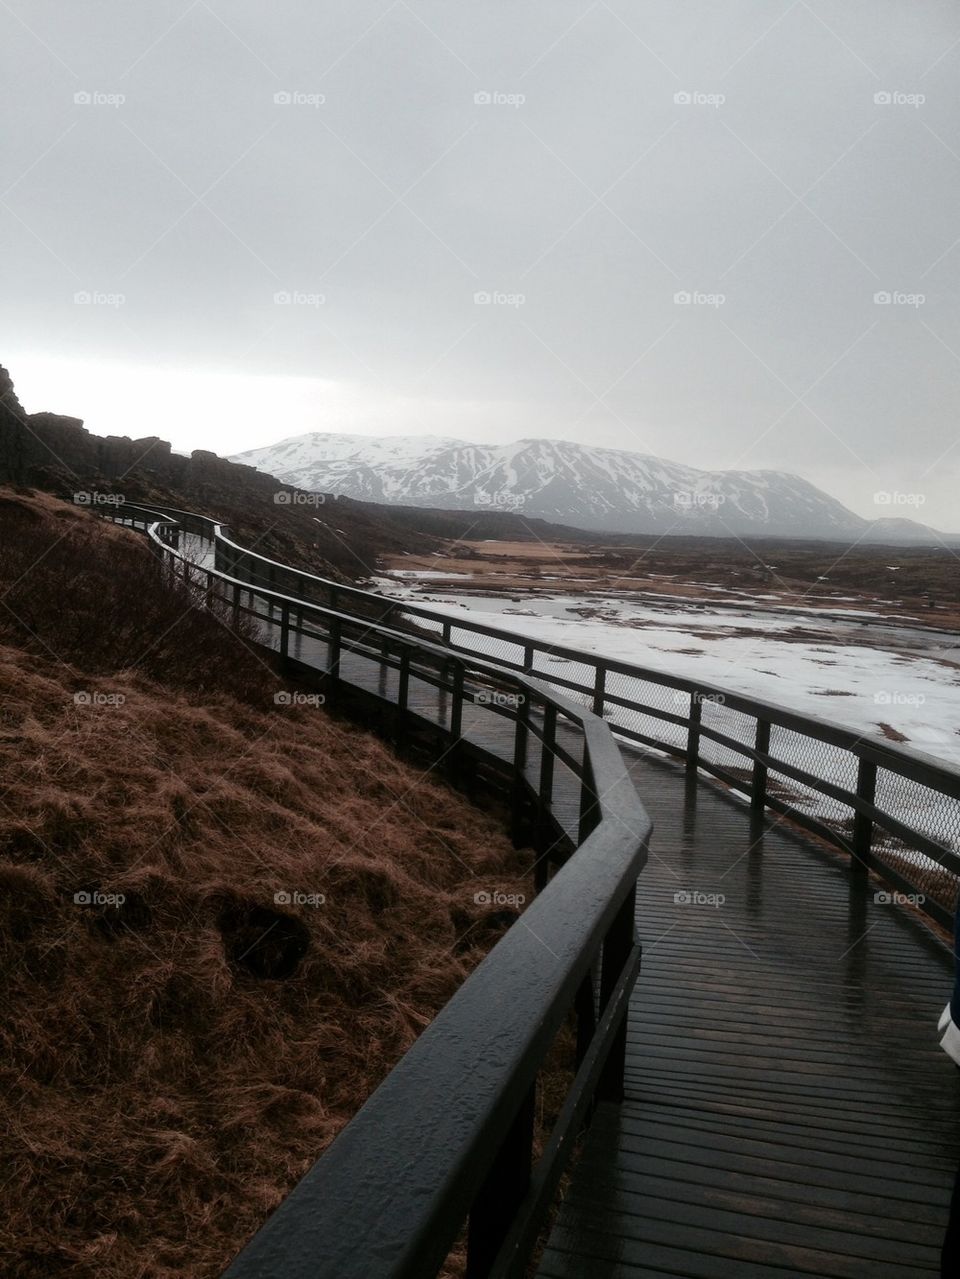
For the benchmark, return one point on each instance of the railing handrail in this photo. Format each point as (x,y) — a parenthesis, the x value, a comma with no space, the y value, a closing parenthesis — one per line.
(462,1081)
(389,1195)
(886,754)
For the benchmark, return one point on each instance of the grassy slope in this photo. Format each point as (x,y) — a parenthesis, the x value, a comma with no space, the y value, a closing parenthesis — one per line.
(163,1093)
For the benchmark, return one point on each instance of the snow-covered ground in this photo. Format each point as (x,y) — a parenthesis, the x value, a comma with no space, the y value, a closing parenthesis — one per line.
(861,676)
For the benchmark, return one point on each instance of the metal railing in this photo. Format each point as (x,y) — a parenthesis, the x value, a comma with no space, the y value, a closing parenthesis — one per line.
(448,1137)
(894,811)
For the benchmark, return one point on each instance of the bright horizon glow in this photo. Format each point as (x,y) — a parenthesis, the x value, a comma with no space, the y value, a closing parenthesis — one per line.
(229,413)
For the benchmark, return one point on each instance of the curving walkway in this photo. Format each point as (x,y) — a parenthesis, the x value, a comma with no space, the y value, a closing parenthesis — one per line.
(788,1109)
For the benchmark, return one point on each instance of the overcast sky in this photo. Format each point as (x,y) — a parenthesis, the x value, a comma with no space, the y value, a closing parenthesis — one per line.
(282,214)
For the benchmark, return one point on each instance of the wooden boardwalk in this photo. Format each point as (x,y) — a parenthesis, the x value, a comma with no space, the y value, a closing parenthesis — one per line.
(788,1109)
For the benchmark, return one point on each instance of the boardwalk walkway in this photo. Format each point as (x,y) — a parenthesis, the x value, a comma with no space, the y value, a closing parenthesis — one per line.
(788,1109)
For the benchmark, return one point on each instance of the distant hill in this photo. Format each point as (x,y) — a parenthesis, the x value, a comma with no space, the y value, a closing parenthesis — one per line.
(597,489)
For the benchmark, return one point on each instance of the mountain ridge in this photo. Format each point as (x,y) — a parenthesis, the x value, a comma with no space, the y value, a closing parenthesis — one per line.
(593,488)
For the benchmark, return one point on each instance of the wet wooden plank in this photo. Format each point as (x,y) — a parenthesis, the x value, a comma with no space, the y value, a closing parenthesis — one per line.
(788,1110)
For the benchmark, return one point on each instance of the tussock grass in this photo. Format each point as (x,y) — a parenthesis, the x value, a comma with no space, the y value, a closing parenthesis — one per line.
(173,1063)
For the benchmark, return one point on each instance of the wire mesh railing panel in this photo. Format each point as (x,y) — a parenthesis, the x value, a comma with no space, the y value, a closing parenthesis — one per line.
(554,667)
(644,693)
(823,760)
(494,647)
(432,626)
(925,809)
(372,657)
(717,715)
(933,814)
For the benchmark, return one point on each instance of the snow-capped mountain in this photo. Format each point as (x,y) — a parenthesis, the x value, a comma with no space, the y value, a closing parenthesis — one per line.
(566,483)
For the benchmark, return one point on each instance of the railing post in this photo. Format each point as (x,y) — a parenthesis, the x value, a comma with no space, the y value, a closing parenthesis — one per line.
(333,649)
(589,802)
(599,690)
(502,1193)
(456,704)
(545,795)
(693,731)
(382,683)
(285,630)
(519,789)
(758,794)
(403,683)
(862,824)
(617,945)
(445,632)
(527,659)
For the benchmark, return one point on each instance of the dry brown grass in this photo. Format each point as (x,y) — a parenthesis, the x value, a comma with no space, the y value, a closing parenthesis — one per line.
(173,1064)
